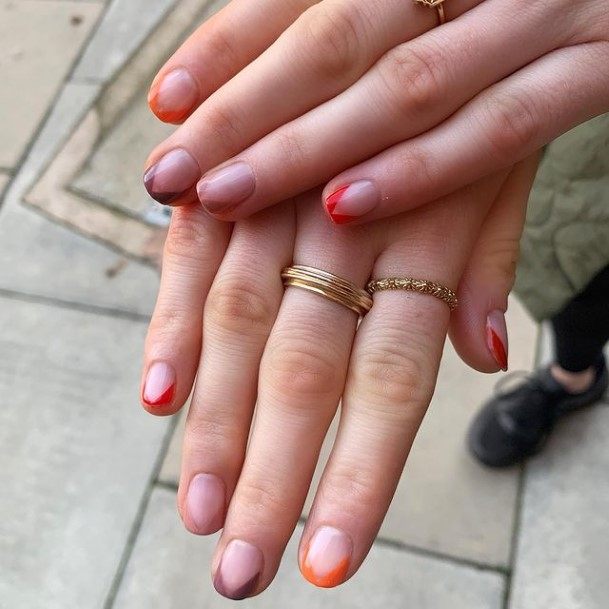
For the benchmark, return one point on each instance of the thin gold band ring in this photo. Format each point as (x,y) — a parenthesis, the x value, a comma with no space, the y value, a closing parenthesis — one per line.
(415,285)
(438,5)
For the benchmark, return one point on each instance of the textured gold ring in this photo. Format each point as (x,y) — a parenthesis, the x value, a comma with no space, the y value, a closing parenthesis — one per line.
(438,5)
(329,286)
(415,285)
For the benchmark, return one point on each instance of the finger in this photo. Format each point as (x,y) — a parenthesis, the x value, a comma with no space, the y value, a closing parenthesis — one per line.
(477,329)
(301,379)
(239,313)
(412,88)
(391,377)
(193,251)
(503,125)
(216,51)
(328,48)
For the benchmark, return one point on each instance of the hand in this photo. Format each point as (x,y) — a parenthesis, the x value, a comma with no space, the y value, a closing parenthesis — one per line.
(293,354)
(351,79)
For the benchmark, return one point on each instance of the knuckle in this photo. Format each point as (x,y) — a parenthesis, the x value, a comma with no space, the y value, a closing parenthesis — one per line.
(393,378)
(169,322)
(187,239)
(350,484)
(238,306)
(330,36)
(301,367)
(263,499)
(502,258)
(514,124)
(224,126)
(413,79)
(224,48)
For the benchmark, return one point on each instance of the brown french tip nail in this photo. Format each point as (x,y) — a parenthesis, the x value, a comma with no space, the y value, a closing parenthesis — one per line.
(238,574)
(497,338)
(172,176)
(174,96)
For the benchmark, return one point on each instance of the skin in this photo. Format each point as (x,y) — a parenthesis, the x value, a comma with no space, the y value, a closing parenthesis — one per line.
(293,355)
(358,90)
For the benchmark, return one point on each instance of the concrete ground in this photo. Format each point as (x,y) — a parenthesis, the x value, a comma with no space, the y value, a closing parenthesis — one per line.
(87,510)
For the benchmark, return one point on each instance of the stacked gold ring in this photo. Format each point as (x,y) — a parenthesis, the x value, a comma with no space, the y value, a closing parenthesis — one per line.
(329,286)
(415,285)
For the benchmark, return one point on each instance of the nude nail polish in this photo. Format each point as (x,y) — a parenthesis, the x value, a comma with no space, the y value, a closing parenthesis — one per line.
(172,176)
(174,96)
(352,201)
(206,503)
(239,571)
(497,338)
(160,384)
(327,557)
(223,189)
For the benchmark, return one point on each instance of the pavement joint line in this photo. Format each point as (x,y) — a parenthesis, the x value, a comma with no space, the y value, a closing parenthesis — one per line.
(139,517)
(74,306)
(385,542)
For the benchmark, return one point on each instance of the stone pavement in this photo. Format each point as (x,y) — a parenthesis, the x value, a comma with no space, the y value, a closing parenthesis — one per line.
(87,512)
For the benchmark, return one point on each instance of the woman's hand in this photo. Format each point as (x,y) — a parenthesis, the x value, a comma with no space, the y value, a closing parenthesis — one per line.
(350,79)
(292,354)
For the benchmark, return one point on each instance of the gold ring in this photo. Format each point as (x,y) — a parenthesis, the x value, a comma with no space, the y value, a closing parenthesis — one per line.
(329,286)
(415,285)
(438,5)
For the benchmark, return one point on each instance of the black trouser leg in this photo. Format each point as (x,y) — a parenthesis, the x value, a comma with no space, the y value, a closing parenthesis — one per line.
(581,329)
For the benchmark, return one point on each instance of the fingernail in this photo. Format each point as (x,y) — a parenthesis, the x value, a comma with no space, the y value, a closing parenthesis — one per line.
(160,385)
(497,338)
(327,557)
(223,189)
(352,201)
(172,176)
(205,502)
(173,97)
(239,570)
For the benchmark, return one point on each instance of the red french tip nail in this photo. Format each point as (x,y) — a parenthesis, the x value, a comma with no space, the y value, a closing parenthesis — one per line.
(332,201)
(160,385)
(497,349)
(497,337)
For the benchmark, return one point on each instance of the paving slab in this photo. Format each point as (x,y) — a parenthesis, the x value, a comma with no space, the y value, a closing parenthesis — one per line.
(33,66)
(561,558)
(122,30)
(446,502)
(169,569)
(76,452)
(43,258)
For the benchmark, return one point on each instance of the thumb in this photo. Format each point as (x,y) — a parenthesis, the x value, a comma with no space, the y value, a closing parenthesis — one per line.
(478,330)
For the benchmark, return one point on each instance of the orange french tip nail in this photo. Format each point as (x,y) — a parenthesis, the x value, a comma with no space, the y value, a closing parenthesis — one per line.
(167,116)
(329,580)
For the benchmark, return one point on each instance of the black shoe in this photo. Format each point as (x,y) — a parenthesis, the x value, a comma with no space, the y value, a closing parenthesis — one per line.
(516,424)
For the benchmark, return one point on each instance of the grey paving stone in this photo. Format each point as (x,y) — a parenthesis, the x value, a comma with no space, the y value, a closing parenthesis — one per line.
(76,453)
(4,178)
(169,570)
(561,558)
(67,111)
(42,258)
(33,65)
(445,501)
(125,25)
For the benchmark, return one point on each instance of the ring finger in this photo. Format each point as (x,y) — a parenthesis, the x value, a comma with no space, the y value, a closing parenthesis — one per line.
(302,376)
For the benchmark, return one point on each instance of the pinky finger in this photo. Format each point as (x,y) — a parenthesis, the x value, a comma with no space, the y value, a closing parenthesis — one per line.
(477,328)
(194,248)
(501,126)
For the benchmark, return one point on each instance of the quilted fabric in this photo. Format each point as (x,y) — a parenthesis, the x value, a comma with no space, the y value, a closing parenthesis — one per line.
(566,238)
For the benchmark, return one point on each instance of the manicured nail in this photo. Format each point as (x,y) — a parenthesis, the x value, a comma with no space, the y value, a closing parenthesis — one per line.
(239,570)
(172,176)
(205,502)
(327,558)
(352,201)
(221,190)
(173,97)
(160,385)
(497,338)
